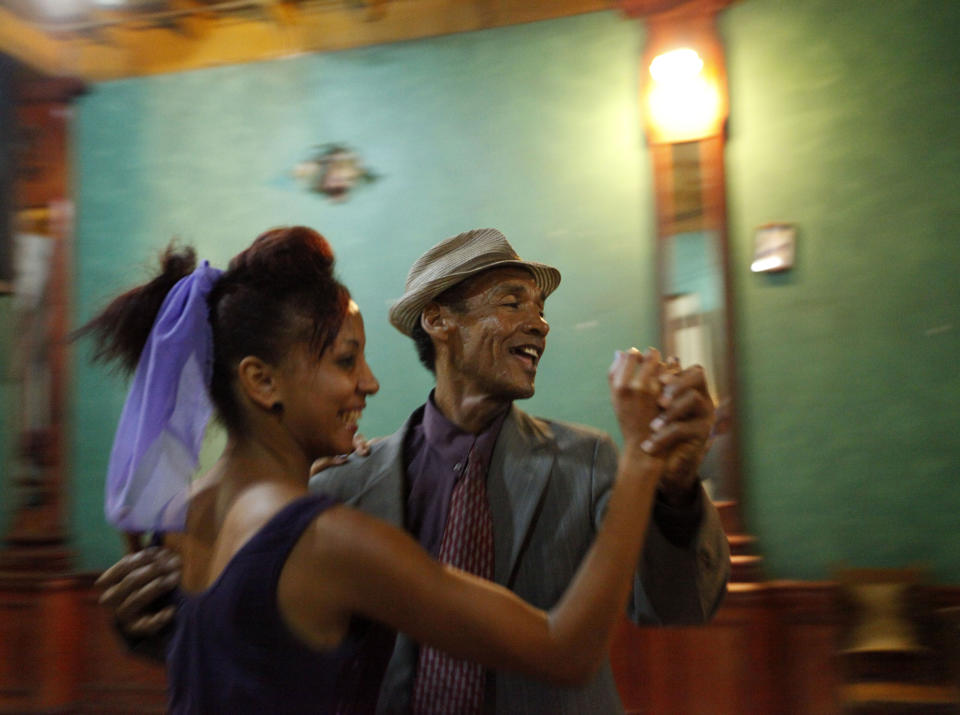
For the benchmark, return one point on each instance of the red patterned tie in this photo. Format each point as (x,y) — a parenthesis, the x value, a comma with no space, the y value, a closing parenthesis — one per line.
(447,685)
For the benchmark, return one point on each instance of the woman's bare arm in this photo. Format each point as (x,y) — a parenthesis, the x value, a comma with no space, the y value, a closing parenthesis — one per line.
(361,565)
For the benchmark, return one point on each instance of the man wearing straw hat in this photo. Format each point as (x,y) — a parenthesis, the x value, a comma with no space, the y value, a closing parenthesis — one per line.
(474,310)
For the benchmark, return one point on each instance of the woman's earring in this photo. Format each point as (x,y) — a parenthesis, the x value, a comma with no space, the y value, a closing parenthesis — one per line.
(277,408)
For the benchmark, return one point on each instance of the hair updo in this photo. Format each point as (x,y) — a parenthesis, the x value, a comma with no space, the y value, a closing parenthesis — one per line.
(279,292)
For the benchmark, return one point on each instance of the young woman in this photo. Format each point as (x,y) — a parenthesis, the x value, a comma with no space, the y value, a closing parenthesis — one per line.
(281,588)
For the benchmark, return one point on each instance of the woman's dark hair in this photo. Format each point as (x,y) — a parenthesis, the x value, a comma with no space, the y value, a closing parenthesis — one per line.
(278,292)
(120,331)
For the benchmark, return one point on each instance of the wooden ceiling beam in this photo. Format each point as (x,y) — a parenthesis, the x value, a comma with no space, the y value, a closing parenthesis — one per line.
(289,28)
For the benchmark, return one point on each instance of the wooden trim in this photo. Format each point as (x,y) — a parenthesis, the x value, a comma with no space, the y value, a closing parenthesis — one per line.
(36,537)
(770,649)
(59,90)
(674,9)
(29,45)
(901,693)
(109,49)
(712,216)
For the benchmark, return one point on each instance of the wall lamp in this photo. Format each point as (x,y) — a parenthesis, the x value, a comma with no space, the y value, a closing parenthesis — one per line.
(683,87)
(682,103)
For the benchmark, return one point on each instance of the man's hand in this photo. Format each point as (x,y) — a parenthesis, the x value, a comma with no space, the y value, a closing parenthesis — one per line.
(681,430)
(135,582)
(361,447)
(634,390)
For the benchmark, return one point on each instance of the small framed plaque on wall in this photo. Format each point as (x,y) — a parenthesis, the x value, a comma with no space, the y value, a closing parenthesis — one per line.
(774,248)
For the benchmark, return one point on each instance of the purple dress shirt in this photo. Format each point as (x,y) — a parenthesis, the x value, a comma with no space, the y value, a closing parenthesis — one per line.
(435,456)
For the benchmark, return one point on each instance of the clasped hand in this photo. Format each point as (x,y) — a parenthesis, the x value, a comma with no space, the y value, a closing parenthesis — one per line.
(667,408)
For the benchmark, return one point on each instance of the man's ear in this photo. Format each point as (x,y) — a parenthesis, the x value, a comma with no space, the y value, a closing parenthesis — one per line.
(434,321)
(258,381)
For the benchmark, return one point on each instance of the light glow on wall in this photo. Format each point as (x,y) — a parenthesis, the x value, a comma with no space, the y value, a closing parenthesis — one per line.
(768,263)
(682,103)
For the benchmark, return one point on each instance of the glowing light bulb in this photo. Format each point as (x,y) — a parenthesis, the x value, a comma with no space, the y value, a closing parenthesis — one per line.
(682,102)
(676,66)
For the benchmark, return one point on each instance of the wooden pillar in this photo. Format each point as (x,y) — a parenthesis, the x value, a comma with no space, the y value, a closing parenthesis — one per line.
(684,115)
(41,631)
(35,542)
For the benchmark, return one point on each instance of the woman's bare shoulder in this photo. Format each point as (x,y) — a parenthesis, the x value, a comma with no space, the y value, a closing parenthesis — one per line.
(352,544)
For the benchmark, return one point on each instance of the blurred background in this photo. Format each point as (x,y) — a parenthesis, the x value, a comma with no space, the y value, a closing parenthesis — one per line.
(765,187)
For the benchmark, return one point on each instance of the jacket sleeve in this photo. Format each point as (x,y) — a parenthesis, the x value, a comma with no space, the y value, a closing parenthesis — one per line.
(673,585)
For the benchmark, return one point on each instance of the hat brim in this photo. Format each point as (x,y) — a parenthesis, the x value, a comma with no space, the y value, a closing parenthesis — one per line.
(405,311)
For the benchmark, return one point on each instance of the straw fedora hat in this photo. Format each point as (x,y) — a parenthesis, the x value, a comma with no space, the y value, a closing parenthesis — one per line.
(454,260)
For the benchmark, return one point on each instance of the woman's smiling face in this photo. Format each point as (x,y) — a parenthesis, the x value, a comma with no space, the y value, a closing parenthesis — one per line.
(324,397)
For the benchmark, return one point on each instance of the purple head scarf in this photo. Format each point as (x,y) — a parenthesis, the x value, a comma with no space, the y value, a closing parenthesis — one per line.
(158,440)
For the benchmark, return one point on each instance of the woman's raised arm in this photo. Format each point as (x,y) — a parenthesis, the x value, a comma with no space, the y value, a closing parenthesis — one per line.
(372,569)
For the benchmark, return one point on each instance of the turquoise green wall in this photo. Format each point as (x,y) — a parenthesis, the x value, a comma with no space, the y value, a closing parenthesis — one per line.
(532,129)
(846,121)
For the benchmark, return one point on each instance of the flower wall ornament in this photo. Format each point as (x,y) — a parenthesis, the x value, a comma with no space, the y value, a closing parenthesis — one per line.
(333,170)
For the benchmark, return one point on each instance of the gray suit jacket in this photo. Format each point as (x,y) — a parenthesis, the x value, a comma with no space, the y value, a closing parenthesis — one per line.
(548,486)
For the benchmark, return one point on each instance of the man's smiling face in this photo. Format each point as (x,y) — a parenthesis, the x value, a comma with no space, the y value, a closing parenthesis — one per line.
(498,333)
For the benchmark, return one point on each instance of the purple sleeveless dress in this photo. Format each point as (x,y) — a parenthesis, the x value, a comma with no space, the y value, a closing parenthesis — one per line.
(232,652)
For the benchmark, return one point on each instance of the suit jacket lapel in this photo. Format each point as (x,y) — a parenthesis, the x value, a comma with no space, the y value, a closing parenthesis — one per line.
(518,475)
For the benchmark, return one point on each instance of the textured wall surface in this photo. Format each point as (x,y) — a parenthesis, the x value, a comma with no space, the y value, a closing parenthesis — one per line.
(471,130)
(846,121)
